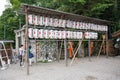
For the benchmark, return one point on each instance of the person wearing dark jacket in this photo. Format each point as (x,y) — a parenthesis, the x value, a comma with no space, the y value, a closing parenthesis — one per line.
(30,55)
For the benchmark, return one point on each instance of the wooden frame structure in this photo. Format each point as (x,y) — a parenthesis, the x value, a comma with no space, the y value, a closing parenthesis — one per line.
(116,34)
(28,9)
(6,54)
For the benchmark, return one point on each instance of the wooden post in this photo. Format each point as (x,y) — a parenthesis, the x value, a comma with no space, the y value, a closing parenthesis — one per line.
(107,44)
(36,45)
(57,52)
(89,49)
(65,50)
(26,41)
(17,45)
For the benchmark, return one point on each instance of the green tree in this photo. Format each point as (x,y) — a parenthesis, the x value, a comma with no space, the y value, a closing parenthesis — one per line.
(103,9)
(9,22)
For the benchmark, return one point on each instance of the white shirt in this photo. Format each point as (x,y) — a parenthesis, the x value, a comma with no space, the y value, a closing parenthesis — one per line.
(21,51)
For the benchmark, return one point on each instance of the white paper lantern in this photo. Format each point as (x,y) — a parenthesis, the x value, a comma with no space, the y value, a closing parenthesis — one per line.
(68,34)
(46,21)
(98,27)
(96,35)
(95,28)
(87,35)
(40,22)
(30,19)
(50,34)
(102,28)
(35,33)
(70,24)
(51,21)
(77,25)
(59,34)
(30,32)
(74,24)
(88,26)
(91,35)
(64,23)
(106,28)
(40,33)
(80,35)
(35,20)
(67,23)
(46,34)
(56,22)
(75,35)
(84,25)
(92,26)
(60,22)
(80,25)
(55,34)
(63,36)
(71,34)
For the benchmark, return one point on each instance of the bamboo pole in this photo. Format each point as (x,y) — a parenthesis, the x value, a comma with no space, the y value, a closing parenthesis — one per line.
(102,44)
(76,51)
(60,50)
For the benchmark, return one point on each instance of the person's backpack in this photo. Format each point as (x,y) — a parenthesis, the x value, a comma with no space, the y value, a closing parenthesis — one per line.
(31,55)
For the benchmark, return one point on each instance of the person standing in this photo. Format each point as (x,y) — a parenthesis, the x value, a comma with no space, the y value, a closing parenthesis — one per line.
(21,55)
(30,55)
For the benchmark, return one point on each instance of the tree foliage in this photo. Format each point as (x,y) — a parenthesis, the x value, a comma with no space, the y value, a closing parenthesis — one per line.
(103,9)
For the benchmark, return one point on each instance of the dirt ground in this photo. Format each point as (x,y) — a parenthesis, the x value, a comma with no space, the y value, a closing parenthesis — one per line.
(101,68)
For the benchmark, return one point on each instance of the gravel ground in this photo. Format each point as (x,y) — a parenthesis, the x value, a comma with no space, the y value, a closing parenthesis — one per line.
(101,68)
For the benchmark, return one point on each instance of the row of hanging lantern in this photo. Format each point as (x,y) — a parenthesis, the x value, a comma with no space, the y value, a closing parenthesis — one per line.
(48,21)
(55,34)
